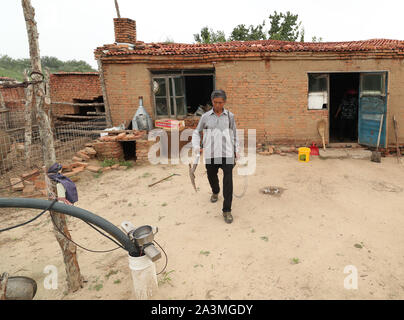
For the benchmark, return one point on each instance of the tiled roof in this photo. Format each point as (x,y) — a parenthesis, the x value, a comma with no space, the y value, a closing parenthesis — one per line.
(234,47)
(63,73)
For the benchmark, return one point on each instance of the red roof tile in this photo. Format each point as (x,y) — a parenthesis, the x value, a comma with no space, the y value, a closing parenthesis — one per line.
(63,73)
(163,49)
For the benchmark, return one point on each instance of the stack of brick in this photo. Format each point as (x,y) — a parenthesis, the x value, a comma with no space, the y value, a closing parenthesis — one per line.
(142,150)
(129,135)
(108,150)
(125,30)
(30,184)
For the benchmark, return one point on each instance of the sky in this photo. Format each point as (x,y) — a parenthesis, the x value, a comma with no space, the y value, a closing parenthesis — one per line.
(73,29)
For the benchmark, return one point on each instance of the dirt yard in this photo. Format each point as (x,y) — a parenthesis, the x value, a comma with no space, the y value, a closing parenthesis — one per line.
(332,214)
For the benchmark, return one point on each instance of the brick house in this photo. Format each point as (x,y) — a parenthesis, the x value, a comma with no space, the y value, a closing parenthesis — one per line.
(74,87)
(69,93)
(281,89)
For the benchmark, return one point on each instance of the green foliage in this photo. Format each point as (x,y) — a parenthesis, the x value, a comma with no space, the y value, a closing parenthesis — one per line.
(14,68)
(316,39)
(251,33)
(284,26)
(128,164)
(209,36)
(108,162)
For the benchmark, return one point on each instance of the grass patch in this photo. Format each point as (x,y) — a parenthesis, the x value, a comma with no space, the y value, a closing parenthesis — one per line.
(117,281)
(295,261)
(112,272)
(166,278)
(128,164)
(108,162)
(205,253)
(97,175)
(264,238)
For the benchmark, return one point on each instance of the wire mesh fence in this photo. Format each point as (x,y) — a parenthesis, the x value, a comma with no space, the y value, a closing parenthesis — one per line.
(21,150)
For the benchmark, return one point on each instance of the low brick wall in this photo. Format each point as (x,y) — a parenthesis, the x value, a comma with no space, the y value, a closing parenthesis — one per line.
(142,150)
(109,150)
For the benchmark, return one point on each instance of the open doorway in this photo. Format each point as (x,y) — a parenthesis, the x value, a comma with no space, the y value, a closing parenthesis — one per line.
(344,90)
(197,92)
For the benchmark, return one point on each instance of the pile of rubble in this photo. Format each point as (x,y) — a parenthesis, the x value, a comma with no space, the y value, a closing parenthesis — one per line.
(124,135)
(267,149)
(30,184)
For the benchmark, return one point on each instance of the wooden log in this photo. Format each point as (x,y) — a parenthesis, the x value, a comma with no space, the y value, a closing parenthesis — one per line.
(2,103)
(28,122)
(80,117)
(104,93)
(117,9)
(76,104)
(3,286)
(74,279)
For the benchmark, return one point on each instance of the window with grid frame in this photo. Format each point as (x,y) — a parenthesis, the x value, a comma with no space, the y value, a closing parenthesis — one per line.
(169,96)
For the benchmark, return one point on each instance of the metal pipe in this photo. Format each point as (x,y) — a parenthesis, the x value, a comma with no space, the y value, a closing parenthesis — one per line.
(76,212)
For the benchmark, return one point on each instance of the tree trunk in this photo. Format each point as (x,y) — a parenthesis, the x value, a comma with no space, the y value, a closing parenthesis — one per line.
(104,94)
(74,278)
(28,123)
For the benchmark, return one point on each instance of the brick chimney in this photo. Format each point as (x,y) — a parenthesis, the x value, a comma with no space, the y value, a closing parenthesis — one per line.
(125,30)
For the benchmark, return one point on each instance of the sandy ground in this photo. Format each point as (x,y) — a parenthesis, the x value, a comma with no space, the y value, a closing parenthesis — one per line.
(332,214)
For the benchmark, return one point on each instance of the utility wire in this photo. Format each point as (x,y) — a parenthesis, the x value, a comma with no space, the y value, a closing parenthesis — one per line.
(61,232)
(33,219)
(165,256)
(93,251)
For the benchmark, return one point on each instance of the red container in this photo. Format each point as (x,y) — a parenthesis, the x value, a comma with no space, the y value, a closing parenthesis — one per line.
(314,150)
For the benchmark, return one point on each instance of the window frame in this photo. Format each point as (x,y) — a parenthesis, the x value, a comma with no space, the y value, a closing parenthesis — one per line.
(169,84)
(381,93)
(327,91)
(166,74)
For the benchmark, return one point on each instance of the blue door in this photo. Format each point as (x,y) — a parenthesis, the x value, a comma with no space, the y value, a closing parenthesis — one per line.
(372,104)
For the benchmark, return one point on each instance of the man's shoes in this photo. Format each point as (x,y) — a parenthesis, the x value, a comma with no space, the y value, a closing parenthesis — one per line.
(214,198)
(228,218)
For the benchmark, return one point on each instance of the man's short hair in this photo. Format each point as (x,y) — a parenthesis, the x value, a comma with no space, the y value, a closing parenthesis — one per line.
(218,94)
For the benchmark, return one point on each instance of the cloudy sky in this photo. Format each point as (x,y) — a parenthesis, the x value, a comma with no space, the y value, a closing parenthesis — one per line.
(73,29)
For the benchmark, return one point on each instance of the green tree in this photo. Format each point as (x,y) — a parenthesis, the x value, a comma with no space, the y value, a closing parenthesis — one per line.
(285,26)
(316,39)
(209,36)
(242,33)
(14,68)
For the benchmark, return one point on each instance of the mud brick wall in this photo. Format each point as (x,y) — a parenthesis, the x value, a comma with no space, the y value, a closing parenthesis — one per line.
(13,98)
(109,150)
(65,87)
(270,96)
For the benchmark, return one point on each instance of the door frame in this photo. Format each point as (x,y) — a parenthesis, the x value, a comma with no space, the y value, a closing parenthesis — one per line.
(387,72)
(386,109)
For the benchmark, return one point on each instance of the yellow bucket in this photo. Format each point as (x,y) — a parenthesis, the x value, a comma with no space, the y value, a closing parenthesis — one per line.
(304,154)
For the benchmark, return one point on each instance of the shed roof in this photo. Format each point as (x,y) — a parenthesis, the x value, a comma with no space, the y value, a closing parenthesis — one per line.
(234,47)
(67,73)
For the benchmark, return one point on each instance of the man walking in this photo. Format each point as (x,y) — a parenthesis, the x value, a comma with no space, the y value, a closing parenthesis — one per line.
(221,148)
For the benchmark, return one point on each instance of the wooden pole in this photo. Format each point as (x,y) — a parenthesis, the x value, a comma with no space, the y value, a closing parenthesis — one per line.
(74,279)
(104,94)
(28,122)
(117,9)
(3,286)
(2,103)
